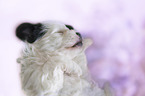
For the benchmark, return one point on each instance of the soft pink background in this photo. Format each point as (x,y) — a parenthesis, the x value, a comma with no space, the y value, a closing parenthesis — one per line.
(116,27)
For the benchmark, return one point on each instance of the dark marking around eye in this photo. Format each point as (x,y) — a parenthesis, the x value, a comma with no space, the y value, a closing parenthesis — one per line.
(69,27)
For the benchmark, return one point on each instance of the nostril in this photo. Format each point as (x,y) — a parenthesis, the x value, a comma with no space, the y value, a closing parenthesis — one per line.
(79,35)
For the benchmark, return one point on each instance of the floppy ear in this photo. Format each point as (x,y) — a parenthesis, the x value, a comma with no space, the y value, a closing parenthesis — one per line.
(29,32)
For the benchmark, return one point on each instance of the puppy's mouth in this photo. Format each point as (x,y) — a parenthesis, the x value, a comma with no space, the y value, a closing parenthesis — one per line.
(79,43)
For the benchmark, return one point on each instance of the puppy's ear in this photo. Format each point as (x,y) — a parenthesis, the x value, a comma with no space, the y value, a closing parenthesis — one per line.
(29,32)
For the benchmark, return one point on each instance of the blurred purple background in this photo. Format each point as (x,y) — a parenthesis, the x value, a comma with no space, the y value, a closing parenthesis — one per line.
(116,27)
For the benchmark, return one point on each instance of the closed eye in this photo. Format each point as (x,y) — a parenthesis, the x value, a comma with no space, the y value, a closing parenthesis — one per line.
(69,27)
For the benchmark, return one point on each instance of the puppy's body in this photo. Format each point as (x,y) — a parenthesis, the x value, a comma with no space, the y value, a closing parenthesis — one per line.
(53,62)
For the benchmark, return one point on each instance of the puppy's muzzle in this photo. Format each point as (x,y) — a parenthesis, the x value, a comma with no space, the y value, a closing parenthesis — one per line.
(79,43)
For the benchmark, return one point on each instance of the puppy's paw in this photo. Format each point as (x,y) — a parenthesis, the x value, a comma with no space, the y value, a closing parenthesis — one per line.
(87,43)
(72,69)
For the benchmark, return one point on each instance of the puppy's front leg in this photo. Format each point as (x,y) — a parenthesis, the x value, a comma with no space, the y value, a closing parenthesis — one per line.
(72,68)
(52,80)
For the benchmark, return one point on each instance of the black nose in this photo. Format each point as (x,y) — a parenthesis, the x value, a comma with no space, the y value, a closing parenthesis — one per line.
(79,43)
(79,35)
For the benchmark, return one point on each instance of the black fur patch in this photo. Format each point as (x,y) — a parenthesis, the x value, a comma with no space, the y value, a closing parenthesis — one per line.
(69,27)
(29,32)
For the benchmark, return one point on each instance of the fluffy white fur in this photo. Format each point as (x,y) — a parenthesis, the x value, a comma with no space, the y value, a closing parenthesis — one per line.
(51,67)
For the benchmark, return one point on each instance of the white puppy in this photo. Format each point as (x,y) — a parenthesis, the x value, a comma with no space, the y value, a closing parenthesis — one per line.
(53,62)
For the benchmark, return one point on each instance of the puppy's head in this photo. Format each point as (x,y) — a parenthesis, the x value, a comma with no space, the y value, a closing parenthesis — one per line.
(50,35)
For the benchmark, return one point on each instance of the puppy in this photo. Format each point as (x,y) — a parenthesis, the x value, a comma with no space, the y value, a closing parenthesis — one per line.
(53,62)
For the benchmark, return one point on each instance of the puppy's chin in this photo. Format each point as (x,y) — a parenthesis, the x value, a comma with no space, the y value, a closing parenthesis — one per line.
(85,43)
(81,45)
